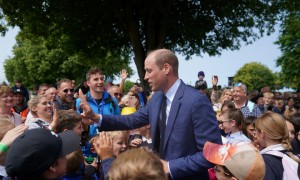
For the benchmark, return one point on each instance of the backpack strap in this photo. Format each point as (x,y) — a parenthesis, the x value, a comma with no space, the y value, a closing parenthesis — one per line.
(110,100)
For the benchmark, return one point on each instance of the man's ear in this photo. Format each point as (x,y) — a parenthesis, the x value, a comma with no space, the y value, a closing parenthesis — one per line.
(166,67)
(65,130)
(148,126)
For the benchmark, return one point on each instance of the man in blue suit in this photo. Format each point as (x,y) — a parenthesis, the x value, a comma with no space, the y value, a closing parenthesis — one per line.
(190,119)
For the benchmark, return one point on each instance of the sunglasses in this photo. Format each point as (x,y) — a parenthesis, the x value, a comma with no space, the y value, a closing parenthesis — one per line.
(238,84)
(118,94)
(66,90)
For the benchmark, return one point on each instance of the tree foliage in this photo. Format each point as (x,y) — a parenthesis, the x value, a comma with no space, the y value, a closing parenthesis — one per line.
(137,27)
(36,62)
(289,42)
(255,76)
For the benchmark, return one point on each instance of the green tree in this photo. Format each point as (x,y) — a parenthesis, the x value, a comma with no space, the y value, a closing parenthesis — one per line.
(255,76)
(137,27)
(36,62)
(289,42)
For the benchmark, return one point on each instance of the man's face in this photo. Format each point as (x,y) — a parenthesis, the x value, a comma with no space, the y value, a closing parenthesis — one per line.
(51,93)
(43,90)
(238,93)
(156,77)
(116,92)
(18,99)
(66,91)
(96,83)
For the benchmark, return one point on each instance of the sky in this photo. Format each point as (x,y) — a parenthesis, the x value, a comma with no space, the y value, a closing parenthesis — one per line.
(226,65)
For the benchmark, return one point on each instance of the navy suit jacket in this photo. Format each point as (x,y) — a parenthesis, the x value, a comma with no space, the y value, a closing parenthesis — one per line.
(191,123)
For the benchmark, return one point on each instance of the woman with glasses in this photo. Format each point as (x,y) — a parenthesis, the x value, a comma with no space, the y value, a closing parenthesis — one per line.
(273,137)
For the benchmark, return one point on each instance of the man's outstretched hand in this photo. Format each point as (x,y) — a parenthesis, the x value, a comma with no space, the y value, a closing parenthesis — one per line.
(88,116)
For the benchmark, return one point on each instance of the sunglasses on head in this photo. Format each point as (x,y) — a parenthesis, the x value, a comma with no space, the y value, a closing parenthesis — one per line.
(238,84)
(66,90)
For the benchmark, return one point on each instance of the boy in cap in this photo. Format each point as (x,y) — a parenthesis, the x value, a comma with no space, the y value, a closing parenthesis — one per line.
(201,84)
(40,154)
(235,161)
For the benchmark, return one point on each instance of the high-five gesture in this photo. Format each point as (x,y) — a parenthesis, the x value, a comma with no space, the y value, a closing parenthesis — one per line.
(87,113)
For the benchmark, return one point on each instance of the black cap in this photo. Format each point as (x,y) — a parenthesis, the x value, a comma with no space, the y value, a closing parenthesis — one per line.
(18,90)
(36,150)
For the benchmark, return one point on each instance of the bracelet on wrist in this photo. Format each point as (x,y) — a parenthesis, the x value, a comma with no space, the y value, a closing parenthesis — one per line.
(3,147)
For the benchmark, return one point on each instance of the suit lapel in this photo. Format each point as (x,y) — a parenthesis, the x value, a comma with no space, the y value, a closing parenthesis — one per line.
(173,112)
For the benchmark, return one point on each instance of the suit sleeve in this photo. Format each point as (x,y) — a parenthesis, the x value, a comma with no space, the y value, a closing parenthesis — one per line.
(125,122)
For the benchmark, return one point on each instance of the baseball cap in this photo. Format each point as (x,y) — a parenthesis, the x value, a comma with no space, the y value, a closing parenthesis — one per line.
(36,150)
(18,90)
(243,160)
(201,73)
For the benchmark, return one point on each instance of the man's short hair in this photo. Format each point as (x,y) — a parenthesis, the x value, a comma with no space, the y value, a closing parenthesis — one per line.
(92,71)
(242,85)
(166,56)
(43,85)
(63,81)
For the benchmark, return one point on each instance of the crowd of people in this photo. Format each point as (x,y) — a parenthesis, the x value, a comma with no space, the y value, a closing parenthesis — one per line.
(96,130)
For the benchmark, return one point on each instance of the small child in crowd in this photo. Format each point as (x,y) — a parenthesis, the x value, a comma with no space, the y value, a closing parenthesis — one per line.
(250,124)
(235,161)
(268,98)
(201,84)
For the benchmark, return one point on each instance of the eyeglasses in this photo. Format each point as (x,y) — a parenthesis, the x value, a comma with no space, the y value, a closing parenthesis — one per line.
(118,94)
(217,170)
(222,122)
(66,90)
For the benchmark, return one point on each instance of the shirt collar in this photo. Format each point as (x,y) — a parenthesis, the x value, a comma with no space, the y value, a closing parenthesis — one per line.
(276,147)
(172,91)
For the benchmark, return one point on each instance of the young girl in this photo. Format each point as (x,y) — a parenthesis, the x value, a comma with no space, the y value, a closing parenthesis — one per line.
(272,135)
(233,124)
